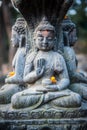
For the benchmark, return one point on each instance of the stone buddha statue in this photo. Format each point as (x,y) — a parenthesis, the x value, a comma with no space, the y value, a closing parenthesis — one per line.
(14,80)
(18,39)
(77,79)
(45,74)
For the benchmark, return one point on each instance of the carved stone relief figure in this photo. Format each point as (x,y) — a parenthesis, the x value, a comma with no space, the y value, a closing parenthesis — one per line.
(43,69)
(78,79)
(14,80)
(46,74)
(18,39)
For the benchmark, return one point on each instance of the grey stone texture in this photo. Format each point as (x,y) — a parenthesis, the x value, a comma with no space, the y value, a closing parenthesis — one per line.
(45,118)
(53,94)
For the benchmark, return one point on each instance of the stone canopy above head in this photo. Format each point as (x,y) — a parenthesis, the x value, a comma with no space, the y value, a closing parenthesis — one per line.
(34,10)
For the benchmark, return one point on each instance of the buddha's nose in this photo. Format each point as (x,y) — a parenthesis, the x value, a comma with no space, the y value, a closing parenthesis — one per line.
(45,40)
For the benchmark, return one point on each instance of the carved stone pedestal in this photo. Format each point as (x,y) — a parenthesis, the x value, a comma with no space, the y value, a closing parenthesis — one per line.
(46,118)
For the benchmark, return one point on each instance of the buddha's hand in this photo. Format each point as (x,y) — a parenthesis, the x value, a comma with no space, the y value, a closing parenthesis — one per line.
(40,67)
(8,80)
(53,87)
(49,88)
(40,63)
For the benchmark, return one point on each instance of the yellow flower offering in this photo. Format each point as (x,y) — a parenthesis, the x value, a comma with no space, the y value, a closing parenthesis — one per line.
(11,73)
(65,17)
(53,79)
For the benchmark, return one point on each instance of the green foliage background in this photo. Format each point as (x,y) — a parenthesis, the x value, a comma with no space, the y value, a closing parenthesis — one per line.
(80,19)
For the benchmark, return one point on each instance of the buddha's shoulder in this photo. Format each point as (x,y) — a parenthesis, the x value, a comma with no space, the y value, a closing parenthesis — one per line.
(58,55)
(30,54)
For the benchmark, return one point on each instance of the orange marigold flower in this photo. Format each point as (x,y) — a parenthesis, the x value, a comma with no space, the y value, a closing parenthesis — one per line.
(53,79)
(65,17)
(11,73)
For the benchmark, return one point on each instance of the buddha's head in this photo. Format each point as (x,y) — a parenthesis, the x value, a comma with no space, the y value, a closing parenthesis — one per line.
(18,32)
(44,36)
(69,31)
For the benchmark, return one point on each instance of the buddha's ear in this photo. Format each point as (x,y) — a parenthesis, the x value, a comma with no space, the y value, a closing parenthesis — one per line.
(55,43)
(34,38)
(55,39)
(23,40)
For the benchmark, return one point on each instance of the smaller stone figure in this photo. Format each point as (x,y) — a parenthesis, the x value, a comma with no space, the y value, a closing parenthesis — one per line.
(15,80)
(18,40)
(46,74)
(77,79)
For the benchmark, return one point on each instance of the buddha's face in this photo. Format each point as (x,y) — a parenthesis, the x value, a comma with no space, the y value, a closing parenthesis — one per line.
(15,38)
(44,40)
(72,37)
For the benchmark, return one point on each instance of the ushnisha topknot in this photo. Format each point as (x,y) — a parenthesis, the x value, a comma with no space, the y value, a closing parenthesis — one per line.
(67,24)
(44,25)
(20,26)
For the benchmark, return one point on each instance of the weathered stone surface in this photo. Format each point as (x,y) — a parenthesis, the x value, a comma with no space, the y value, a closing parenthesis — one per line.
(7,112)
(47,124)
(43,118)
(41,101)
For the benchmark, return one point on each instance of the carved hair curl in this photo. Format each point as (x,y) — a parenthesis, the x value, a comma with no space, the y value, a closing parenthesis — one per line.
(20,26)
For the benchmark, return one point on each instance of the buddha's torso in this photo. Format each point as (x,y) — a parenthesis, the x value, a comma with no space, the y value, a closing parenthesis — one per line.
(49,62)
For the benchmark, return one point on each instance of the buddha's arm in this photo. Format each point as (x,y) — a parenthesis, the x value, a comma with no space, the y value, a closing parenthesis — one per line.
(35,73)
(62,73)
(61,70)
(19,68)
(28,72)
(20,63)
(63,76)
(28,68)
(33,76)
(14,62)
(63,84)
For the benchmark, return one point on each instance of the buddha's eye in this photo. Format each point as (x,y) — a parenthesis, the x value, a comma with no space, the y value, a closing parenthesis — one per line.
(40,38)
(49,38)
